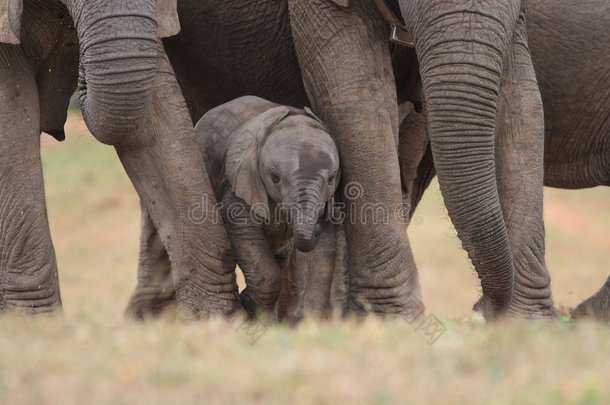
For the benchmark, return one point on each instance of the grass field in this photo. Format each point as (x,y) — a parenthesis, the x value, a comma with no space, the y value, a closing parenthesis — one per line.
(92,354)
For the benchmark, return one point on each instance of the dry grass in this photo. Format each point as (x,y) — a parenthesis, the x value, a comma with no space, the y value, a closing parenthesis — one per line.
(92,354)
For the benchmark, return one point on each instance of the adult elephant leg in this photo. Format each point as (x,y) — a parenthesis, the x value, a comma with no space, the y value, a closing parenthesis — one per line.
(597,306)
(344,57)
(519,156)
(28,270)
(155,290)
(163,161)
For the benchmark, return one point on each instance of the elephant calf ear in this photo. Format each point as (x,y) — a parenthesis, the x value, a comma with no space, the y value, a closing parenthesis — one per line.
(241,165)
(167,18)
(312,114)
(10,21)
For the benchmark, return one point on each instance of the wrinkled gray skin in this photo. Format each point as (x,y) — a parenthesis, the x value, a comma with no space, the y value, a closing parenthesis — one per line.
(125,76)
(274,168)
(474,65)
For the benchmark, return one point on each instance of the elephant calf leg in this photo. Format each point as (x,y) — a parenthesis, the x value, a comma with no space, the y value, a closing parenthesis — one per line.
(155,291)
(308,279)
(28,270)
(596,307)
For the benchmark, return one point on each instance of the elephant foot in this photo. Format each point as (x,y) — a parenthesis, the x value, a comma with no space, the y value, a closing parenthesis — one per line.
(384,283)
(227,306)
(21,298)
(410,308)
(255,305)
(596,307)
(148,303)
(26,308)
(532,311)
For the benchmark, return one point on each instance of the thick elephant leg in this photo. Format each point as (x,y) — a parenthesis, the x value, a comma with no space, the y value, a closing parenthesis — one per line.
(519,153)
(597,306)
(163,161)
(155,290)
(344,57)
(28,270)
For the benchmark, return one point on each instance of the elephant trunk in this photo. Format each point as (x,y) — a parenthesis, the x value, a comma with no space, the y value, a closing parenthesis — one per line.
(305,211)
(461,68)
(118,46)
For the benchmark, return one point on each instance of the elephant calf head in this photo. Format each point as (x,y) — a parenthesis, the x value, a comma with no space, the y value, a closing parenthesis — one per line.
(283,158)
(298,165)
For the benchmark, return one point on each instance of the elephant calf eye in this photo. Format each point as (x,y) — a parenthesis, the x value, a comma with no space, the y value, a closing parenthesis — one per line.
(275,178)
(331,179)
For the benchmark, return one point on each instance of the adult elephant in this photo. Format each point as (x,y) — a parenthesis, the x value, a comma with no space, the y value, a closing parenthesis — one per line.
(476,70)
(125,76)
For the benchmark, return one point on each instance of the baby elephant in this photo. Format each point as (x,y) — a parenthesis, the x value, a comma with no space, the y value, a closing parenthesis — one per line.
(274,169)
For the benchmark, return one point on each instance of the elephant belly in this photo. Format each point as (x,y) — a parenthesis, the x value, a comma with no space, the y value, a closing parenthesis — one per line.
(571,59)
(231,48)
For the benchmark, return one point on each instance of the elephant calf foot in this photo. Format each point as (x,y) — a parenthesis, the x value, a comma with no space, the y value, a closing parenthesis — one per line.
(596,307)
(150,302)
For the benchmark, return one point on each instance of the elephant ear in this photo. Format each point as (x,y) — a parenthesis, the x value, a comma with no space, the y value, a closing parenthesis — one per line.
(312,115)
(10,21)
(241,167)
(342,3)
(332,210)
(167,18)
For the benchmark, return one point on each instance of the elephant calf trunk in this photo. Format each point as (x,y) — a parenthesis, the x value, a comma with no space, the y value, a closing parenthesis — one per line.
(306,229)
